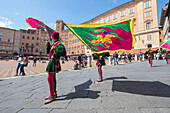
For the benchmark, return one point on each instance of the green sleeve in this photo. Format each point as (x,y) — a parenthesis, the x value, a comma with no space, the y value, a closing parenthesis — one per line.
(156,51)
(146,53)
(163,51)
(48,47)
(95,56)
(106,54)
(59,51)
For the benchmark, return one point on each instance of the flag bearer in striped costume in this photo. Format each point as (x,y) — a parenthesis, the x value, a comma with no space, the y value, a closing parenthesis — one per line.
(100,63)
(167,55)
(150,54)
(55,51)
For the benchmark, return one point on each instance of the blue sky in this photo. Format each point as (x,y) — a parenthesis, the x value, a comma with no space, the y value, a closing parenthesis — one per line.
(14,12)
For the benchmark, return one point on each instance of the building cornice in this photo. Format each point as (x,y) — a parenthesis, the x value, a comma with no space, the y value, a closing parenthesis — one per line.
(109,11)
(146,31)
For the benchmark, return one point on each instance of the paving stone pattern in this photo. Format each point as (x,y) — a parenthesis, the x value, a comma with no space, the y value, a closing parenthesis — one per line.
(127,88)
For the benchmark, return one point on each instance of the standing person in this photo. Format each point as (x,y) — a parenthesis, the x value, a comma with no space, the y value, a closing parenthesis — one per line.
(157,56)
(124,57)
(34,61)
(140,56)
(55,51)
(24,63)
(129,57)
(100,63)
(75,65)
(115,57)
(79,59)
(19,65)
(150,54)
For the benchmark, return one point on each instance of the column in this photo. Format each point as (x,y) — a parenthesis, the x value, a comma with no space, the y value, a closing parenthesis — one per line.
(110,60)
(89,61)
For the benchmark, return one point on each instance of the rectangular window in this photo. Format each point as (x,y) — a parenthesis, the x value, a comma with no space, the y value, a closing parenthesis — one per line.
(148,25)
(23,37)
(122,13)
(24,31)
(131,10)
(32,32)
(41,42)
(8,40)
(78,40)
(66,36)
(147,4)
(28,37)
(37,44)
(70,42)
(15,49)
(0,47)
(7,48)
(82,46)
(32,38)
(70,35)
(78,47)
(114,16)
(109,18)
(17,36)
(42,37)
(73,41)
(62,37)
(66,42)
(28,32)
(16,41)
(149,37)
(0,39)
(45,37)
(147,14)
(9,34)
(104,20)
(70,49)
(1,34)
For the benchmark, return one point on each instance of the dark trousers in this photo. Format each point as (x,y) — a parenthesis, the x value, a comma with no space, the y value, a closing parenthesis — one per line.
(22,69)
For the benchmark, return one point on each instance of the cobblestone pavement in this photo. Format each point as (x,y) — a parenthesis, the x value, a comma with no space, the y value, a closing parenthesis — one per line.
(130,88)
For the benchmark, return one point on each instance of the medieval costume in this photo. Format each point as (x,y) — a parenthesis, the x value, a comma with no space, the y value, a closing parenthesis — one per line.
(100,63)
(55,51)
(150,54)
(167,55)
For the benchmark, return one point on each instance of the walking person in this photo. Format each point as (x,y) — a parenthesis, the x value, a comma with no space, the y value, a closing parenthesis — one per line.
(100,63)
(18,65)
(115,58)
(55,51)
(34,61)
(140,56)
(130,57)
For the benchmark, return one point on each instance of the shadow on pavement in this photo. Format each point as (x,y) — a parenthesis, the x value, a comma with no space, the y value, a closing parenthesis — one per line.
(82,92)
(112,78)
(155,88)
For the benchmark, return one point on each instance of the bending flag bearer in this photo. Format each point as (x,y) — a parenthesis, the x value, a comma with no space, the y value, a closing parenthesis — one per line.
(106,37)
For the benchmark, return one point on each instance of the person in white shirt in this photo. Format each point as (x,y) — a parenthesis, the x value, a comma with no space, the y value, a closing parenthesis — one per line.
(19,64)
